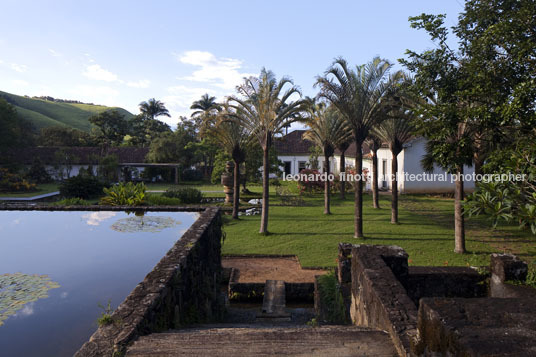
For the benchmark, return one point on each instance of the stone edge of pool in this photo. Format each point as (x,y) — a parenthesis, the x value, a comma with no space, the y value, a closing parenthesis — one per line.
(182,288)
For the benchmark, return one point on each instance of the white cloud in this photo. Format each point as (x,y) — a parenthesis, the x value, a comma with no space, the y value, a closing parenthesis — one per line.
(220,72)
(98,73)
(143,83)
(54,53)
(21,68)
(95,218)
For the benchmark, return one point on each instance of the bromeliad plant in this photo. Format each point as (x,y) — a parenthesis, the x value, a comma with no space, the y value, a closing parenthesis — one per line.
(124,194)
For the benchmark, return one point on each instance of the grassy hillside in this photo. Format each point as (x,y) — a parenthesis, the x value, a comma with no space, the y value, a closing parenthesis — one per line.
(42,113)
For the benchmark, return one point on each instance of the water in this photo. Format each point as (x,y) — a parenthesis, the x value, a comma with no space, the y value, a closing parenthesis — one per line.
(89,258)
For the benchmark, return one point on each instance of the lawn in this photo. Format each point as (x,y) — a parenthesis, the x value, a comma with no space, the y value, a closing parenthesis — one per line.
(426,232)
(41,189)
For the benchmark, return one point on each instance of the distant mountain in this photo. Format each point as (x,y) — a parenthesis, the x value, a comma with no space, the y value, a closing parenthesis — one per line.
(47,112)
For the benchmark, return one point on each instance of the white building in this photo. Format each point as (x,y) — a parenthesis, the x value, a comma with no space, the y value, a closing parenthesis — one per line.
(294,152)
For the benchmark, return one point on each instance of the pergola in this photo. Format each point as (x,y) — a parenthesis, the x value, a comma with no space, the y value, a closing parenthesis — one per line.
(144,164)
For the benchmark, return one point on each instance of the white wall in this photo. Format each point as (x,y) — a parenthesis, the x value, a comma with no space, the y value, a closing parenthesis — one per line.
(412,165)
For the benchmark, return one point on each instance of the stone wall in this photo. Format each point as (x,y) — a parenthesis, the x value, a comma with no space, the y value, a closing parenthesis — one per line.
(379,300)
(385,293)
(446,282)
(183,288)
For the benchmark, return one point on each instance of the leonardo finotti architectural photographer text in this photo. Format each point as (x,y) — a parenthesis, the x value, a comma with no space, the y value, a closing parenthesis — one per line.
(405,176)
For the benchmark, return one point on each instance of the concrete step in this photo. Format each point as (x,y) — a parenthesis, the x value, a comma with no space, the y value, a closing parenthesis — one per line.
(342,341)
(274,297)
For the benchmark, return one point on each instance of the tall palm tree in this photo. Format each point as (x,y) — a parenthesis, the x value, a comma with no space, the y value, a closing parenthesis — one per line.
(326,130)
(265,106)
(359,95)
(234,139)
(396,131)
(153,108)
(204,108)
(374,143)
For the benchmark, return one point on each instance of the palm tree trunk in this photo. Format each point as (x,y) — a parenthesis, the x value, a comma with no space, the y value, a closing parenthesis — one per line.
(394,188)
(375,195)
(358,201)
(265,191)
(459,228)
(326,185)
(236,184)
(342,168)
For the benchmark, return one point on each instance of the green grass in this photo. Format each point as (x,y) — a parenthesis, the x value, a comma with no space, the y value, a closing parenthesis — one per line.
(41,189)
(426,232)
(42,113)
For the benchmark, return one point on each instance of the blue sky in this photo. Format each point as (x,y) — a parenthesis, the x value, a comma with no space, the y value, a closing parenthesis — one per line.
(120,53)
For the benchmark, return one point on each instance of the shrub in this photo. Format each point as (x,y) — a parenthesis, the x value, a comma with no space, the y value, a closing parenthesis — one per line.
(331,300)
(310,186)
(38,173)
(159,200)
(72,202)
(82,186)
(124,194)
(10,182)
(185,195)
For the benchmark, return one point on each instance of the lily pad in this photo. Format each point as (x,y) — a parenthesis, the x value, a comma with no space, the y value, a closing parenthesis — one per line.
(151,224)
(18,289)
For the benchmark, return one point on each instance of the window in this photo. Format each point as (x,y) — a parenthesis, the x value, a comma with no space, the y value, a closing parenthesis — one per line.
(384,173)
(302,165)
(288,167)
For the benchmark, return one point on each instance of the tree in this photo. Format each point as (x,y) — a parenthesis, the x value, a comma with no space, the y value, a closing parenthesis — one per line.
(143,130)
(359,96)
(326,130)
(15,131)
(173,147)
(265,106)
(374,143)
(153,108)
(204,109)
(233,139)
(64,136)
(111,127)
(396,130)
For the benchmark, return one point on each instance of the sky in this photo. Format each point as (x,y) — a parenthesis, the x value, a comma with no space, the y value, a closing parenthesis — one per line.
(120,53)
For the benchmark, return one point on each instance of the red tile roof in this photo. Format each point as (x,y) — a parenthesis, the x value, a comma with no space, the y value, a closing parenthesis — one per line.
(294,144)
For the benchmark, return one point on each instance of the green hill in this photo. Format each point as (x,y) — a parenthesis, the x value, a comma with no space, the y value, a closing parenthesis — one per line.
(43,113)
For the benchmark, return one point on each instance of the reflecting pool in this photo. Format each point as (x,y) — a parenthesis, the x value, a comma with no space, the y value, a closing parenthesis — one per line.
(56,268)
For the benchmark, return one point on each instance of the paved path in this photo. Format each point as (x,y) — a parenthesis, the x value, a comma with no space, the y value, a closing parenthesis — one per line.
(255,341)
(33,198)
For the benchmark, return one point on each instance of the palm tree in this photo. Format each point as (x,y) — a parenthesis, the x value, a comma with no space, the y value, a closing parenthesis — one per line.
(153,108)
(374,143)
(203,109)
(265,106)
(396,131)
(327,129)
(234,139)
(359,95)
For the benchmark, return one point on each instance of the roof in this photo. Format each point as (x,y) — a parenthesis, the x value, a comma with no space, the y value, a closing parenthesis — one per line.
(80,155)
(294,144)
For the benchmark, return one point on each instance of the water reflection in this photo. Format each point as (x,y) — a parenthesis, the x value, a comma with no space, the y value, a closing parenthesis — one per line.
(95,218)
(92,262)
